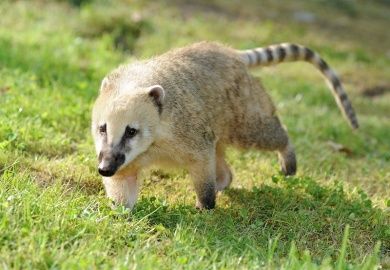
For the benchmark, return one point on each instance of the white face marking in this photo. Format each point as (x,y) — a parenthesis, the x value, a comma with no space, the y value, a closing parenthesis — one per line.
(98,144)
(131,147)
(139,144)
(97,137)
(121,112)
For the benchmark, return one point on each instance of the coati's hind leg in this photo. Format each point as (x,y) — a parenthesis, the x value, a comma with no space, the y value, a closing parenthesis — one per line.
(268,134)
(273,136)
(224,174)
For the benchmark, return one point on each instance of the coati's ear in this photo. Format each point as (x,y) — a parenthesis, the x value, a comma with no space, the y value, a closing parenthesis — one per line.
(104,84)
(157,93)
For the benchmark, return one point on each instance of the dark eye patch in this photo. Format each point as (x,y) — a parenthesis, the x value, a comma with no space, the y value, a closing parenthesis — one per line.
(103,129)
(130,132)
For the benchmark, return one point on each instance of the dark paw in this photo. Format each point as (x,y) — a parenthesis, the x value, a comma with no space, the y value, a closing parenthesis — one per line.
(206,203)
(290,167)
(205,206)
(291,170)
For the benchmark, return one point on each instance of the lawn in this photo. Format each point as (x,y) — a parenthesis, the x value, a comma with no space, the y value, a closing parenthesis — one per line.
(335,213)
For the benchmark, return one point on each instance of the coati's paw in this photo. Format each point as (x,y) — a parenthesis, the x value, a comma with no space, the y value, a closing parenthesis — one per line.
(206,200)
(206,205)
(287,161)
(288,169)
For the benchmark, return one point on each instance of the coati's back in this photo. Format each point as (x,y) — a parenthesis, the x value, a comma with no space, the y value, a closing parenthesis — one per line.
(206,84)
(221,64)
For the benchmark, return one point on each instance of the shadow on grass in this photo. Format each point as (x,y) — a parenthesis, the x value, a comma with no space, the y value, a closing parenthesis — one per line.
(294,209)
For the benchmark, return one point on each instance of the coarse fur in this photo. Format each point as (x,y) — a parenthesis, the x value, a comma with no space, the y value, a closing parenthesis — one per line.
(182,109)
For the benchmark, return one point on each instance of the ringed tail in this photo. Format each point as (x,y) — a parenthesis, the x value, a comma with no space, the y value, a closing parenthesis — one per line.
(287,52)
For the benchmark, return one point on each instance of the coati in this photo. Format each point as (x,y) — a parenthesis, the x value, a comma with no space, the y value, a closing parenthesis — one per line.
(184,107)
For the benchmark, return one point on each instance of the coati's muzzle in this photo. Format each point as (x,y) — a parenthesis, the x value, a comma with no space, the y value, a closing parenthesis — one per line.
(109,162)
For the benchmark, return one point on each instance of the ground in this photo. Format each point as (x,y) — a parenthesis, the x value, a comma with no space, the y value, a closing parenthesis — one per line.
(53,211)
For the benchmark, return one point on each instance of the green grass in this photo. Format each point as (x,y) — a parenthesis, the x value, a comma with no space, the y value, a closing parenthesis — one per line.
(53,212)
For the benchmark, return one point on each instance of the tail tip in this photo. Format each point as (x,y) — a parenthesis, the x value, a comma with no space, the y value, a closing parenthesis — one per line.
(355,124)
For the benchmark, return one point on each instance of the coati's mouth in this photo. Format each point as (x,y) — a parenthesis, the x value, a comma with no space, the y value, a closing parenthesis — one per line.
(109,165)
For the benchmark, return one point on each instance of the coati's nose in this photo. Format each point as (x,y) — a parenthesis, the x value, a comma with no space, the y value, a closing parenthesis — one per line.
(109,165)
(106,171)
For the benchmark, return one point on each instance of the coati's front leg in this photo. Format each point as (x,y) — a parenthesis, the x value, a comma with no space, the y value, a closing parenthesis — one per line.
(203,175)
(123,190)
(287,159)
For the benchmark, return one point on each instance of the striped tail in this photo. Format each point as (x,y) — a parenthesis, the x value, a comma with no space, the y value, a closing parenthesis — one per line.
(287,52)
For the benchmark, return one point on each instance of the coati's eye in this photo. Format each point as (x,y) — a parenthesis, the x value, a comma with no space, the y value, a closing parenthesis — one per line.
(103,129)
(130,132)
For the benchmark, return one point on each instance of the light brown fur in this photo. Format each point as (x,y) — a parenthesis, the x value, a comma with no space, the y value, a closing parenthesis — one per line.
(210,101)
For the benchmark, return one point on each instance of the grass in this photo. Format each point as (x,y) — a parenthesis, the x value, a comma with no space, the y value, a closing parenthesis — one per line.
(53,212)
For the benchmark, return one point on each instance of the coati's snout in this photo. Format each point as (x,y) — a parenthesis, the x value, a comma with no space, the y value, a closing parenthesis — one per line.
(109,162)
(125,125)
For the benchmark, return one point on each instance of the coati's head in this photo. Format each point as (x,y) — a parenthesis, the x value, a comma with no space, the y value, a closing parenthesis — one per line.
(124,125)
